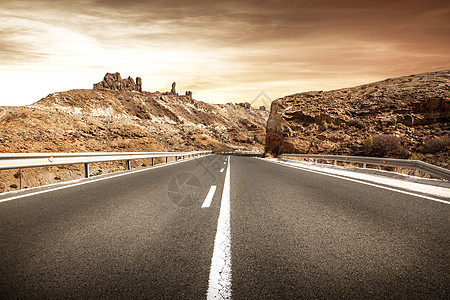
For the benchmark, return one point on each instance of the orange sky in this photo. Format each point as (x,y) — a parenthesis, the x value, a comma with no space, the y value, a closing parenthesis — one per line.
(221,50)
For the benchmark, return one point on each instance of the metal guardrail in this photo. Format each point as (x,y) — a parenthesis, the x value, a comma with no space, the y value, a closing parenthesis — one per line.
(31,160)
(416,165)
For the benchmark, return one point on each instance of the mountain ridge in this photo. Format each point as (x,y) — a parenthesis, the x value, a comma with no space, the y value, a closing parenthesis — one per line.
(145,114)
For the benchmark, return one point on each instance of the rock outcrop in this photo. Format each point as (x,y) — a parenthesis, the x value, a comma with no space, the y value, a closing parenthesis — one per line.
(114,82)
(414,108)
(173,91)
(245,105)
(138,84)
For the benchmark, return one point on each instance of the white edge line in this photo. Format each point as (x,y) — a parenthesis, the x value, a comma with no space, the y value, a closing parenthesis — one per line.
(95,180)
(219,286)
(363,182)
(209,197)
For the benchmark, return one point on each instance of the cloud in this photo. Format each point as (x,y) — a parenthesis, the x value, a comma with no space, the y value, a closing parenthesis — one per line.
(223,48)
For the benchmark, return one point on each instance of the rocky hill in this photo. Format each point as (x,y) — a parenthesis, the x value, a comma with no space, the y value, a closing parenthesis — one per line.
(398,117)
(116,115)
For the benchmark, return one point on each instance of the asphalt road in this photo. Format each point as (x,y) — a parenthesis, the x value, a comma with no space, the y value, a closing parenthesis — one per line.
(294,235)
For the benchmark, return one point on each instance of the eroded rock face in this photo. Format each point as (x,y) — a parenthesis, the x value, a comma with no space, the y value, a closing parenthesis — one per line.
(114,82)
(414,108)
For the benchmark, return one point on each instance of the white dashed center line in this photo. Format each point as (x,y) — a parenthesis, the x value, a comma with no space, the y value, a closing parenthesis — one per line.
(209,197)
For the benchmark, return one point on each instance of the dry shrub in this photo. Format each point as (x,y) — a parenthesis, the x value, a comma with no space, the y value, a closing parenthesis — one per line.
(388,145)
(436,145)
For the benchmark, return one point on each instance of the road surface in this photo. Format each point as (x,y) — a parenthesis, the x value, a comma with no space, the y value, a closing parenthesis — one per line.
(269,232)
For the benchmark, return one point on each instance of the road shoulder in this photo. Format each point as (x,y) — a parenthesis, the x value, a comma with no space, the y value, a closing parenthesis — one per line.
(427,187)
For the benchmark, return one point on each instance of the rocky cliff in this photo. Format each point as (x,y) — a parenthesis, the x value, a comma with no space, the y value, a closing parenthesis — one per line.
(413,111)
(116,115)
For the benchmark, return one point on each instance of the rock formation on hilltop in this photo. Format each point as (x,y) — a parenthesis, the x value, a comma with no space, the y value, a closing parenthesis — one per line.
(173,91)
(114,82)
(414,109)
(138,84)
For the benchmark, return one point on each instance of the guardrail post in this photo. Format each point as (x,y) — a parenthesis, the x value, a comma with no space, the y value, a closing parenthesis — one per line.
(176,158)
(128,164)
(335,162)
(20,179)
(416,172)
(364,165)
(167,159)
(315,160)
(86,170)
(153,161)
